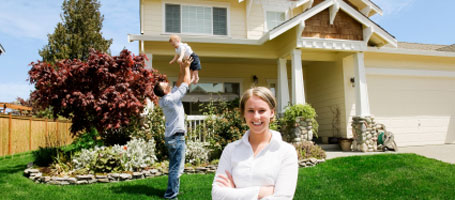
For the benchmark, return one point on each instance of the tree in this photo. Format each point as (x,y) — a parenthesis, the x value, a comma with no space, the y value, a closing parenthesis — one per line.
(79,31)
(104,92)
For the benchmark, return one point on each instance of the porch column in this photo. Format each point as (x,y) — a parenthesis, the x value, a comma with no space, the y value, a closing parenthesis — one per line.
(362,105)
(149,62)
(298,93)
(283,89)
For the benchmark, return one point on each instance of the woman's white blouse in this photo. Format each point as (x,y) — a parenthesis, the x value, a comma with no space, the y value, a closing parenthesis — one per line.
(276,165)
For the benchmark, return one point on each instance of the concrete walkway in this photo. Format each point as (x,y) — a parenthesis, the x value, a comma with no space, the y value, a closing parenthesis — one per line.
(444,152)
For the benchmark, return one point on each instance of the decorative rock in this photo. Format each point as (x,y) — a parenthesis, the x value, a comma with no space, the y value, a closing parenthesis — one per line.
(153,171)
(82,182)
(103,180)
(126,176)
(28,171)
(313,160)
(63,183)
(54,182)
(101,177)
(86,177)
(57,179)
(138,175)
(71,180)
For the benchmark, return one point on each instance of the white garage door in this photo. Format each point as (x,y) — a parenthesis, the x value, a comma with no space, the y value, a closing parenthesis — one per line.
(418,110)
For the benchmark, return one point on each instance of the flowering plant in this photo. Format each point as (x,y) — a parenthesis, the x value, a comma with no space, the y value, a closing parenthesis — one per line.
(197,152)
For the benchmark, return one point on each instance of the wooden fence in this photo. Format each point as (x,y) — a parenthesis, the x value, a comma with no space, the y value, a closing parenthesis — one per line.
(20,134)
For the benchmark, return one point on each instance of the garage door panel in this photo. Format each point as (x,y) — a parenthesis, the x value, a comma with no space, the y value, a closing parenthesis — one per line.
(417,110)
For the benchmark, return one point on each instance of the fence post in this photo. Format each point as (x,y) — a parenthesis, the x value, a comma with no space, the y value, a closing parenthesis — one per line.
(46,134)
(30,135)
(10,128)
(58,137)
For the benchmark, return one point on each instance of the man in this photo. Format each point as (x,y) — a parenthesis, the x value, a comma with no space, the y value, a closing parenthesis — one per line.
(174,136)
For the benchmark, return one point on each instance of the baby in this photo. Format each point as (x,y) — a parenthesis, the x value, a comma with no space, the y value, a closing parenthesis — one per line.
(183,50)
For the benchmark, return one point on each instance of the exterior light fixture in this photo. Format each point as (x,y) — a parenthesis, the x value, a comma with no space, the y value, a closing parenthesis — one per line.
(352,80)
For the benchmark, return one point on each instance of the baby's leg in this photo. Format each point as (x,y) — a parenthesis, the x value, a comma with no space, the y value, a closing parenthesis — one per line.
(194,76)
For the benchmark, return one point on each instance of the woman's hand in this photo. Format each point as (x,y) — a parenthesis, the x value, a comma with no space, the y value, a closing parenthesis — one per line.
(265,191)
(225,181)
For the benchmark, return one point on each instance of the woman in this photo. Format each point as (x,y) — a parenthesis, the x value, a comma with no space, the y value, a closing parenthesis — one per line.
(260,165)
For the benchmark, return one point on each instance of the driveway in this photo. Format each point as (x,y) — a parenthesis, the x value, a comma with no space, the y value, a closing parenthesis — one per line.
(444,152)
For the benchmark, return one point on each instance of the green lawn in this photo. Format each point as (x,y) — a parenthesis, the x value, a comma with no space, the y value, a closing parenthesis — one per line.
(387,176)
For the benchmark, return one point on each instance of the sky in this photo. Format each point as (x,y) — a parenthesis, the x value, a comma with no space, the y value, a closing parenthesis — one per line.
(25,24)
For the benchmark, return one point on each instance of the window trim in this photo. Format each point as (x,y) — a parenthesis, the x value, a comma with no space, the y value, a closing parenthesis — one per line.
(211,5)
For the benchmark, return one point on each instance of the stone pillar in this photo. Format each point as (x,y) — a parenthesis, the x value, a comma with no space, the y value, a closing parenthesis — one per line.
(299,132)
(283,89)
(365,134)
(363,125)
(298,93)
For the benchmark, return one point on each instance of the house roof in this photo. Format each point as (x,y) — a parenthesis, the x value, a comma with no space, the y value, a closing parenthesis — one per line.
(425,47)
(2,50)
(407,48)
(450,48)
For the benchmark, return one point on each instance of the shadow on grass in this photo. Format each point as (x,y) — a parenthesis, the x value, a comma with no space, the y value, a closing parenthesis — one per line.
(139,189)
(4,173)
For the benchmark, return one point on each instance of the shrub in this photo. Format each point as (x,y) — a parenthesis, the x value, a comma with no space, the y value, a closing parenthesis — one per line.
(104,92)
(196,152)
(308,149)
(225,125)
(86,140)
(44,156)
(152,127)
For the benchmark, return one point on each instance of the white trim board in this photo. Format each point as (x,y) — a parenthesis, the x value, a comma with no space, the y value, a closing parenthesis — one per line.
(410,72)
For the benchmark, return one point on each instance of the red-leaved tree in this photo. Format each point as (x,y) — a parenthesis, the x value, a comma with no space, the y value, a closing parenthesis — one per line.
(105,92)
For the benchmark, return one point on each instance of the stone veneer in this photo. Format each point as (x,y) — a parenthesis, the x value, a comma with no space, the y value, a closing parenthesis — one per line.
(365,131)
(302,131)
(36,176)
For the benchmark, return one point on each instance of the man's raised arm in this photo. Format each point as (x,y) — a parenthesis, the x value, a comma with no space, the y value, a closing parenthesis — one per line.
(184,74)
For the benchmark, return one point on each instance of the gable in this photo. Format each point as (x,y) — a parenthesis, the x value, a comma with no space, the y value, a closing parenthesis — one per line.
(344,27)
(351,20)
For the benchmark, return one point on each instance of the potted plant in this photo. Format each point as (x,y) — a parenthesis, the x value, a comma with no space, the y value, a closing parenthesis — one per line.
(345,144)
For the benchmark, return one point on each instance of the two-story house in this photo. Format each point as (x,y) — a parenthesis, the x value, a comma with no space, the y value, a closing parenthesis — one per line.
(327,53)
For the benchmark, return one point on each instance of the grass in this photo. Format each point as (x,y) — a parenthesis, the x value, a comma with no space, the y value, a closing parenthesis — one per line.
(387,176)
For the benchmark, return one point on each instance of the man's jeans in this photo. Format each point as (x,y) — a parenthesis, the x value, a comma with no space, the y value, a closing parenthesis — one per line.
(176,150)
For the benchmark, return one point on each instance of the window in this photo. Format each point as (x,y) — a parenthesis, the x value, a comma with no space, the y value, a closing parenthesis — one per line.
(195,19)
(274,19)
(202,93)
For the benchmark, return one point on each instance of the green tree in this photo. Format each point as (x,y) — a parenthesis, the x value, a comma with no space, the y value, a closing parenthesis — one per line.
(79,31)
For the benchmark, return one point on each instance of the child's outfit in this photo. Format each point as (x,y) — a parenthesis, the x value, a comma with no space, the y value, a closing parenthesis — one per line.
(196,64)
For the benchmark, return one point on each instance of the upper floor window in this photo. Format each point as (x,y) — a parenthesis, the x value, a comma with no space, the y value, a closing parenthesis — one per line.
(274,19)
(195,19)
